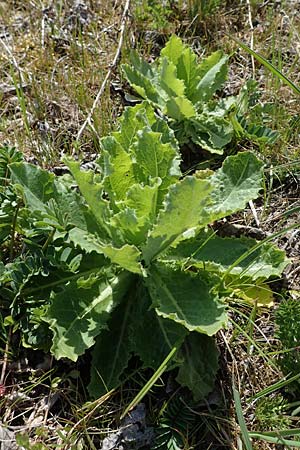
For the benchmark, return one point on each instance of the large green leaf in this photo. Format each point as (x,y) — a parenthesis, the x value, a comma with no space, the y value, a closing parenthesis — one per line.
(152,336)
(80,310)
(214,253)
(237,182)
(184,209)
(133,328)
(186,298)
(199,369)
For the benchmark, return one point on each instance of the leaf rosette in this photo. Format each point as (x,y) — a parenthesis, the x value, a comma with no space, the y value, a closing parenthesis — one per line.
(151,276)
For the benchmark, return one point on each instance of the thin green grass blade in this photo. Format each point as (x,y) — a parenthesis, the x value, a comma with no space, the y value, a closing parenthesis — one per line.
(149,383)
(274,387)
(241,420)
(282,433)
(253,342)
(269,66)
(276,439)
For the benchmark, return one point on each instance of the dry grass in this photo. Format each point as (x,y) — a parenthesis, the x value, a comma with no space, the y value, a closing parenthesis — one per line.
(52,62)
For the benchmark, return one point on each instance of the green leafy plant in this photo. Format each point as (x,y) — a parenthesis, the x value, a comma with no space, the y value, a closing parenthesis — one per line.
(122,257)
(8,198)
(184,91)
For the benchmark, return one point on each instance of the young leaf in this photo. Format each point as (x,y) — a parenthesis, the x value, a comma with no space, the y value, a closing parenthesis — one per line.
(137,213)
(186,298)
(134,119)
(173,49)
(143,78)
(92,191)
(139,117)
(127,256)
(80,311)
(213,73)
(185,61)
(184,209)
(118,169)
(153,160)
(168,79)
(199,368)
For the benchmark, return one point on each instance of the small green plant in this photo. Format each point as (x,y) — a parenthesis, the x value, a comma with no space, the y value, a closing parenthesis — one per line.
(202,8)
(176,423)
(185,92)
(122,257)
(271,414)
(288,332)
(154,13)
